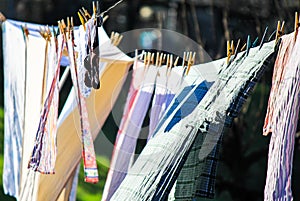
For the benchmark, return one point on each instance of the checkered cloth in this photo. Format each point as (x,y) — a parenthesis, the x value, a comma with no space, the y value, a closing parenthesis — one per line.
(164,154)
(197,178)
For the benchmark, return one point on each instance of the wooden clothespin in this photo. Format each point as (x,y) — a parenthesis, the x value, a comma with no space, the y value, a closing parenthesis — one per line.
(68,28)
(296,24)
(152,58)
(95,13)
(164,58)
(45,33)
(149,58)
(230,50)
(86,14)
(183,59)
(263,38)
(168,61)
(105,18)
(244,47)
(25,31)
(236,49)
(94,10)
(171,64)
(115,38)
(2,18)
(118,40)
(157,59)
(82,21)
(160,60)
(191,62)
(112,36)
(176,61)
(145,59)
(279,30)
(83,15)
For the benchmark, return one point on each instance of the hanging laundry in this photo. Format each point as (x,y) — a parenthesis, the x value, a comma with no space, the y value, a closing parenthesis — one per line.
(282,118)
(165,151)
(88,153)
(34,62)
(44,152)
(197,177)
(161,100)
(278,76)
(91,62)
(99,105)
(14,100)
(83,53)
(110,54)
(136,107)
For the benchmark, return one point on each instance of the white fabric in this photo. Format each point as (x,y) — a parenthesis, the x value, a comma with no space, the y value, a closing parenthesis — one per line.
(14,82)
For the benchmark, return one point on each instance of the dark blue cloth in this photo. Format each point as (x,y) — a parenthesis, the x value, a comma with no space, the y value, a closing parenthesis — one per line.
(190,104)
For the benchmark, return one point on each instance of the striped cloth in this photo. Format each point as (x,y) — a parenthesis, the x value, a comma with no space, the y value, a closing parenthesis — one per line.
(135,110)
(88,152)
(44,152)
(284,110)
(164,153)
(161,100)
(278,74)
(203,175)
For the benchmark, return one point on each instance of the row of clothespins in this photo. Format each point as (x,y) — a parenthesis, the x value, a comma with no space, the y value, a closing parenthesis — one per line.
(232,50)
(160,59)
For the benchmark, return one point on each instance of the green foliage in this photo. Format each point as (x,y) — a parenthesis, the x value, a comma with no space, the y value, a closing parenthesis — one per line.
(92,192)
(2,195)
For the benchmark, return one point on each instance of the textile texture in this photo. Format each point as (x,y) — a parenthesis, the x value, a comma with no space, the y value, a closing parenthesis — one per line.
(284,107)
(165,151)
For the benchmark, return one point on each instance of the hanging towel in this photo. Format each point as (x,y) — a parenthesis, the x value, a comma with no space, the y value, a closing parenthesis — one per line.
(35,67)
(14,97)
(285,49)
(136,107)
(283,118)
(165,151)
(161,100)
(197,177)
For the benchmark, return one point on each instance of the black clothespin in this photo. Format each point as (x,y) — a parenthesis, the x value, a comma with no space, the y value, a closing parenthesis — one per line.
(263,38)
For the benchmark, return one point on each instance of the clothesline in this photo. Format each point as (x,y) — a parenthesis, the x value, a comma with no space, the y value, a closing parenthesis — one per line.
(175,138)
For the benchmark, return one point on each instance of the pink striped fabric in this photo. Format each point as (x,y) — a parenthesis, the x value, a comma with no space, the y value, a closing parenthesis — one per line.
(285,50)
(284,110)
(135,109)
